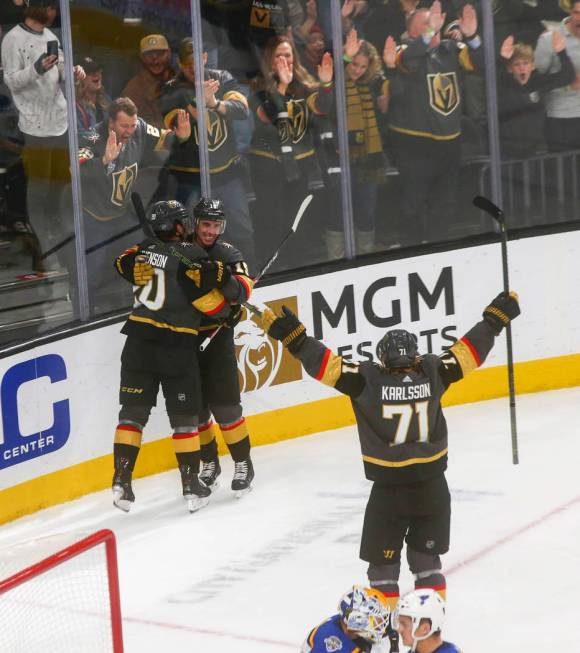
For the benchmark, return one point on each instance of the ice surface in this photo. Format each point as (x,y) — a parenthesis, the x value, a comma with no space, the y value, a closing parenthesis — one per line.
(256,574)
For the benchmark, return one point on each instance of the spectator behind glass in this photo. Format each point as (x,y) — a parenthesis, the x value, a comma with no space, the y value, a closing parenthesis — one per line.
(145,87)
(312,50)
(366,99)
(92,102)
(111,159)
(11,13)
(180,180)
(425,119)
(284,162)
(562,104)
(34,77)
(521,95)
(271,18)
(356,14)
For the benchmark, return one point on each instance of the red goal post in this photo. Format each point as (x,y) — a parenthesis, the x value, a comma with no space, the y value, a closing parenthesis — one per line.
(76,589)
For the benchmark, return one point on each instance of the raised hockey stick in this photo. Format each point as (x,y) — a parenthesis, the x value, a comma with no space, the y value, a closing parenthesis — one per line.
(253,309)
(498,215)
(148,231)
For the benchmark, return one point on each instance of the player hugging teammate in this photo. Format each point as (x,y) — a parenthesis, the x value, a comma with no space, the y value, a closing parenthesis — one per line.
(187,282)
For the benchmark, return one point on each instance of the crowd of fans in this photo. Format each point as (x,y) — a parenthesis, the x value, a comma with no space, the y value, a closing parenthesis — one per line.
(415,107)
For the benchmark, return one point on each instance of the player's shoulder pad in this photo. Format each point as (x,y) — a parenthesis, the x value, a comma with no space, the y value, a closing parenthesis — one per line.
(193,250)
(226,252)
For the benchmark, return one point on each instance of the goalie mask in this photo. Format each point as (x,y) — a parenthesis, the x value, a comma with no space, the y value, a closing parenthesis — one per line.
(417,605)
(365,613)
(163,217)
(397,348)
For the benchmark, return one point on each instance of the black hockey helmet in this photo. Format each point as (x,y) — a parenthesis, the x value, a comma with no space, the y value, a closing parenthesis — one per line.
(397,348)
(208,209)
(164,215)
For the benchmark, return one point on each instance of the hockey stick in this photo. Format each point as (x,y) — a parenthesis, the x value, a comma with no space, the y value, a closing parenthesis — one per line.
(497,214)
(148,231)
(253,309)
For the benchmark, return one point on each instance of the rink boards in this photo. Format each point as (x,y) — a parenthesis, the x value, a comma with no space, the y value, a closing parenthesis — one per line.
(59,400)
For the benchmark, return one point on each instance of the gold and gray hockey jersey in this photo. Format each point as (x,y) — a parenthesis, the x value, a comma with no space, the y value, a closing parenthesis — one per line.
(401,426)
(171,305)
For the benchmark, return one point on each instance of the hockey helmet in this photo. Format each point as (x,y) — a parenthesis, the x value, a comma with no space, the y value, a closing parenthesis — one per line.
(421,604)
(397,348)
(164,215)
(365,612)
(209,209)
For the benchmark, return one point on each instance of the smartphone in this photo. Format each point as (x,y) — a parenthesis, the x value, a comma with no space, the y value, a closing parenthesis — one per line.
(52,48)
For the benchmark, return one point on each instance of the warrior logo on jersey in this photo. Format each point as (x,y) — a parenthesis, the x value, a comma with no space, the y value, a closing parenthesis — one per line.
(263,361)
(332,643)
(443,92)
(122,183)
(295,127)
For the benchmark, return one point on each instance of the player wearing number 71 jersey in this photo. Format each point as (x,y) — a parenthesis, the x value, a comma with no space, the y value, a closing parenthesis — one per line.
(403,436)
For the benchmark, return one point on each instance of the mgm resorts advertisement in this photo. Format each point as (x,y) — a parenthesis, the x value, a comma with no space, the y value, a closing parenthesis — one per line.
(59,400)
(437,297)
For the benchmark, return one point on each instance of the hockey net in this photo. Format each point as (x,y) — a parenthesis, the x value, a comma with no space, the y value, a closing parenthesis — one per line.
(66,600)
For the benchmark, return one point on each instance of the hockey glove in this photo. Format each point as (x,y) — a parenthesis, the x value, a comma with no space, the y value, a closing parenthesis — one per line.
(234,317)
(502,310)
(286,328)
(213,274)
(142,271)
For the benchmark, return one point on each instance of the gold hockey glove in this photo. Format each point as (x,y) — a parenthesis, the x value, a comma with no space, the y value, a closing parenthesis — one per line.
(502,310)
(286,328)
(142,271)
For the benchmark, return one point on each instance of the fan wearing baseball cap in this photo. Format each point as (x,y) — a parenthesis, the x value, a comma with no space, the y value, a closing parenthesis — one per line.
(144,88)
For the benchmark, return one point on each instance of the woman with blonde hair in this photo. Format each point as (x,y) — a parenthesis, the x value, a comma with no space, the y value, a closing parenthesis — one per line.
(366,99)
(284,162)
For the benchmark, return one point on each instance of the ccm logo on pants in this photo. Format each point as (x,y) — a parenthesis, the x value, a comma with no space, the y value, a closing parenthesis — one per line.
(16,446)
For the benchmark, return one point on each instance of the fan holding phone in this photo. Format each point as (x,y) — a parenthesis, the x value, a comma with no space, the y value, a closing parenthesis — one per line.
(33,70)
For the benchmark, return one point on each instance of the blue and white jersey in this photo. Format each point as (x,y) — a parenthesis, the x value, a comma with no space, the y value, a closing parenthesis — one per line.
(447,647)
(329,637)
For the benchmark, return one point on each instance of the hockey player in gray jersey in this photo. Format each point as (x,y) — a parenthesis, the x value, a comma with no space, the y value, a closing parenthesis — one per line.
(170,301)
(220,389)
(403,436)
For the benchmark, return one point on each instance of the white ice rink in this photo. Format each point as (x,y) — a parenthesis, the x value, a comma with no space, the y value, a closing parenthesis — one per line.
(256,574)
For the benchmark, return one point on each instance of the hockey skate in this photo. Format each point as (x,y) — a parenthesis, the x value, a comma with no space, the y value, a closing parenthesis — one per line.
(123,496)
(243,476)
(210,470)
(194,491)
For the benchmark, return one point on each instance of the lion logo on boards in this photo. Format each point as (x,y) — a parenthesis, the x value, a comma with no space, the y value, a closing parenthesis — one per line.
(443,92)
(263,361)
(122,183)
(332,643)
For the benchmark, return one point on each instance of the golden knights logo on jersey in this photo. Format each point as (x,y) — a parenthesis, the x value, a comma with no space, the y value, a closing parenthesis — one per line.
(217,130)
(443,92)
(266,15)
(122,183)
(263,361)
(295,127)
